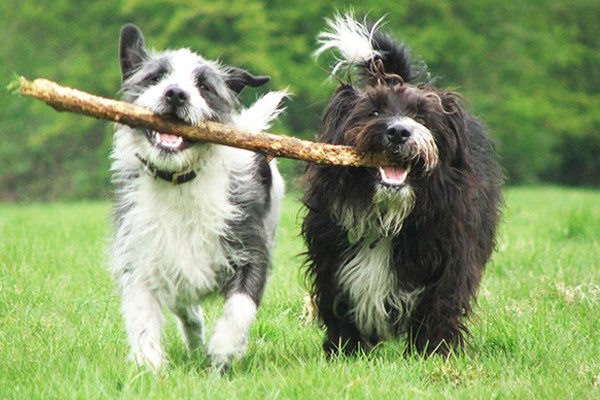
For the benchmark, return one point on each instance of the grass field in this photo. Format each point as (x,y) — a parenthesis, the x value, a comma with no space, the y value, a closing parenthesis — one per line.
(537,334)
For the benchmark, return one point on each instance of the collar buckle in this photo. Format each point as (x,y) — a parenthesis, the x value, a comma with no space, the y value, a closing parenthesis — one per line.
(176,178)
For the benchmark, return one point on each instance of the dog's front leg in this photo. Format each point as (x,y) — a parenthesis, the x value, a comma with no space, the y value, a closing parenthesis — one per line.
(230,336)
(242,296)
(436,330)
(143,321)
(342,334)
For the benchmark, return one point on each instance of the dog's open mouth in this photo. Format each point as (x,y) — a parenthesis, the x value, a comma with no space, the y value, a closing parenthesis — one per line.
(393,177)
(168,141)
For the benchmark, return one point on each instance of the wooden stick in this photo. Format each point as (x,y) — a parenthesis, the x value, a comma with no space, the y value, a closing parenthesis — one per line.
(66,99)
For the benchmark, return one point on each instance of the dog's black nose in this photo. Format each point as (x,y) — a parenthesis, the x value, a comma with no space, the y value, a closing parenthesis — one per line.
(398,133)
(176,96)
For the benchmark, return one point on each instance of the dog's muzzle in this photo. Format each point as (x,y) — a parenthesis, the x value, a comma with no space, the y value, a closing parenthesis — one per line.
(175,101)
(175,96)
(413,145)
(398,134)
(396,137)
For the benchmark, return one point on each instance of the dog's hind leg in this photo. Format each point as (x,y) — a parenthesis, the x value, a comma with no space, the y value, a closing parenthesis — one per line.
(143,321)
(191,325)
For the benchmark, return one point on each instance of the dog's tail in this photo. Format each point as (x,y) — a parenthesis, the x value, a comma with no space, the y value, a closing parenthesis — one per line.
(376,55)
(259,116)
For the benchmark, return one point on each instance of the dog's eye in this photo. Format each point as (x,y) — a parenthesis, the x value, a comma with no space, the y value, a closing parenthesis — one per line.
(155,77)
(204,87)
(374,114)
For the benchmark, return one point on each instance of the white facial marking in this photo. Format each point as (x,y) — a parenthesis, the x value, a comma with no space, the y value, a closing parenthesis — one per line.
(421,142)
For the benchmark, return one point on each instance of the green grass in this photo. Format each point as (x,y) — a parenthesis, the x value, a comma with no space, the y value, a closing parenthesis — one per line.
(537,334)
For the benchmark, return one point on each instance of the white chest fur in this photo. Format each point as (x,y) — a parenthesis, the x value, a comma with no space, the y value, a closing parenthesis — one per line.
(170,236)
(367,278)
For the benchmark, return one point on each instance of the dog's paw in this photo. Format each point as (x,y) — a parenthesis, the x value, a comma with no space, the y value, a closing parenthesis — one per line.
(150,358)
(221,363)
(346,347)
(223,350)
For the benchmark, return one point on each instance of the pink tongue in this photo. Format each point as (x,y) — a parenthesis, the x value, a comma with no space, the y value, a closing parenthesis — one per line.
(168,138)
(394,176)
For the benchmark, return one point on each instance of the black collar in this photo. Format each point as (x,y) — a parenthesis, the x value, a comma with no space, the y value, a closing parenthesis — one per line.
(176,178)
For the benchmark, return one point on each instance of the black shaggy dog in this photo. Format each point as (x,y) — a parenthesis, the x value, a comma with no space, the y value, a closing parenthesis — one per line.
(399,249)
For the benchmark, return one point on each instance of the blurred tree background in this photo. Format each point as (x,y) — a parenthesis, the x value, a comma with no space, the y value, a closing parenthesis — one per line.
(531,70)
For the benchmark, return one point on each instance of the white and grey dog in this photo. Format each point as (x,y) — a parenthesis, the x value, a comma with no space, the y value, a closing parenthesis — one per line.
(190,218)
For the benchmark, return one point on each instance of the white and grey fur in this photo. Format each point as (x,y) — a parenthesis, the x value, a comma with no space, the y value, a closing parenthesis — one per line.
(176,242)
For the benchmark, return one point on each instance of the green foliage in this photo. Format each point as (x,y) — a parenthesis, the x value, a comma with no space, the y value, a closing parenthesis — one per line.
(535,337)
(529,69)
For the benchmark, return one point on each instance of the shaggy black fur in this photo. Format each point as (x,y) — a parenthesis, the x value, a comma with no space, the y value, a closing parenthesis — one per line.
(447,238)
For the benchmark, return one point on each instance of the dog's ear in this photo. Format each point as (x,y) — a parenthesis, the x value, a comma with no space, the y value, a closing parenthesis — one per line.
(335,118)
(457,120)
(237,79)
(131,49)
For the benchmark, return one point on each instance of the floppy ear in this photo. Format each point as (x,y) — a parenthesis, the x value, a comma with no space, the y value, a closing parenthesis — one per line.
(237,79)
(335,118)
(457,121)
(131,49)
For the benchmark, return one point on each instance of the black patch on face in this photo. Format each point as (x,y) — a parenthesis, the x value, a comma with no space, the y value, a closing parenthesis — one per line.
(156,71)
(146,75)
(212,88)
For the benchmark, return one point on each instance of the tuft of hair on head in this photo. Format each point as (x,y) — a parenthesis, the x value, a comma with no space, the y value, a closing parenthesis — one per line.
(352,39)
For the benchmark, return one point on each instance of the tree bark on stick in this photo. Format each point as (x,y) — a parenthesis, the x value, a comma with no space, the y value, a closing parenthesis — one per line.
(72,100)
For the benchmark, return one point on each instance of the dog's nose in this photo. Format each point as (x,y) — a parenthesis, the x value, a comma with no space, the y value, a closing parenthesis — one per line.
(176,96)
(398,133)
